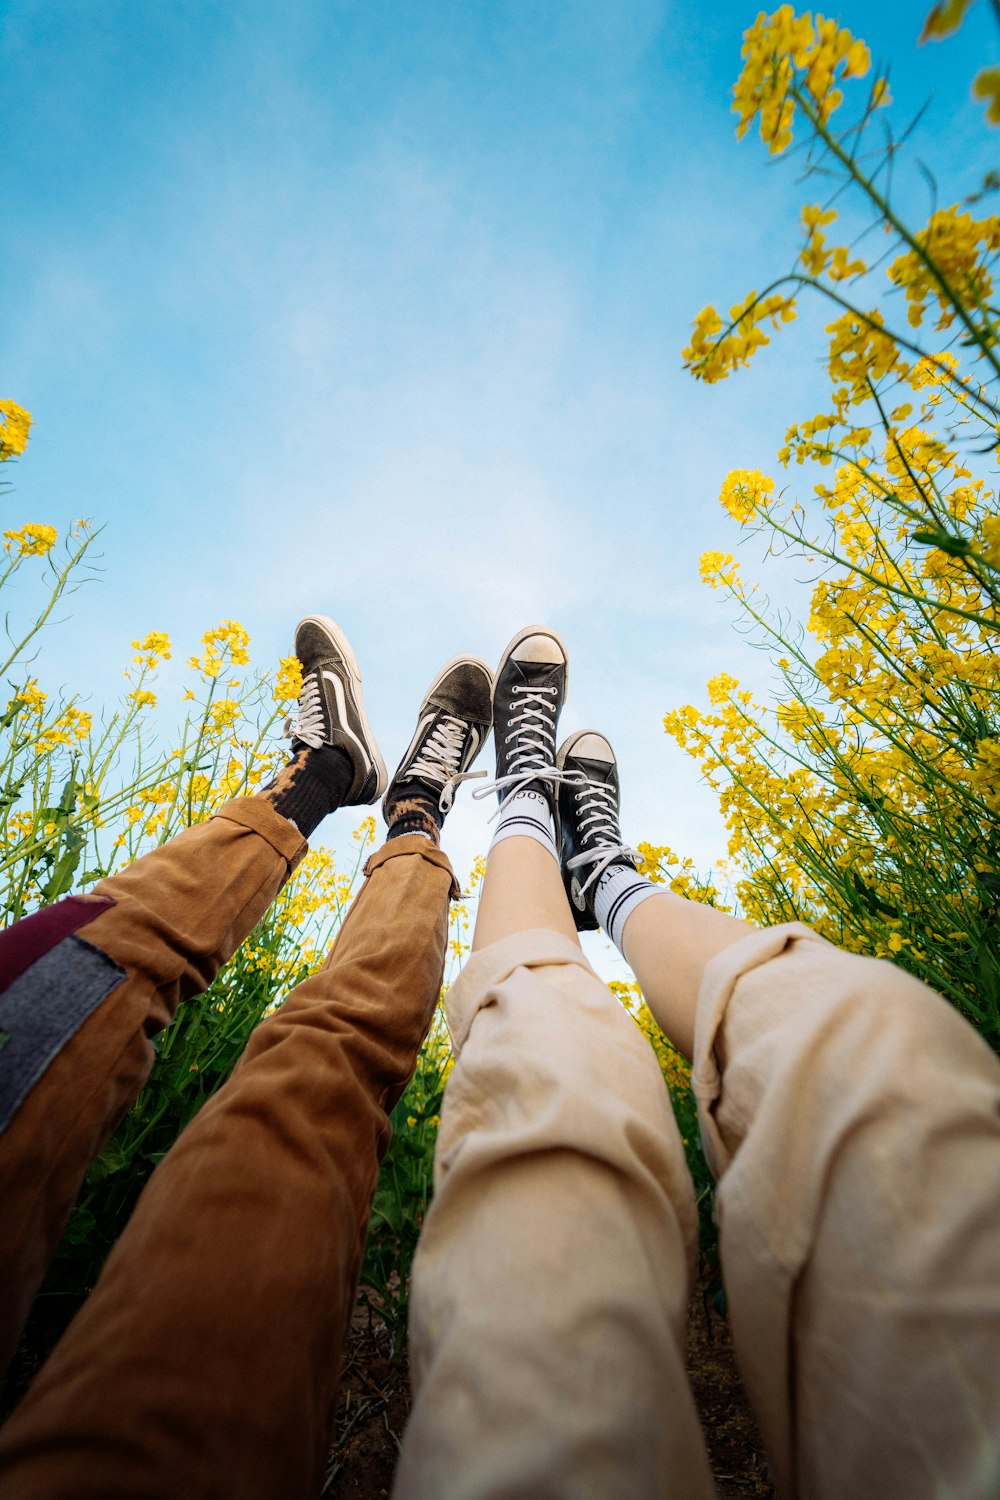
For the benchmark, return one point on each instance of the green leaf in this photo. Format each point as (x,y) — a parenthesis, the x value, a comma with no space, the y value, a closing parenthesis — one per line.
(80,1227)
(11,712)
(955,546)
(872,900)
(65,866)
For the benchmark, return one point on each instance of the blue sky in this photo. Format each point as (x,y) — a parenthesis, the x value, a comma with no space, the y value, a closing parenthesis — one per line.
(375,309)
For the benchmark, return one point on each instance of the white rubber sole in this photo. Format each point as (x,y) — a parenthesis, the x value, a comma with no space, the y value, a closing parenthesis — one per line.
(343,645)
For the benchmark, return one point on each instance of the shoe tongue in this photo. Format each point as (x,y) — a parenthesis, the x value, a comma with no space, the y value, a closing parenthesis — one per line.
(419,787)
(537,673)
(604,771)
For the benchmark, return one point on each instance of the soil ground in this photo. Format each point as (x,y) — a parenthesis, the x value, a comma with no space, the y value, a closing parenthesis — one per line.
(375,1400)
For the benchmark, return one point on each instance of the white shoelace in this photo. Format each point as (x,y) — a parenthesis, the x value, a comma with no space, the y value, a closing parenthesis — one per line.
(533,758)
(309,724)
(599,821)
(441,757)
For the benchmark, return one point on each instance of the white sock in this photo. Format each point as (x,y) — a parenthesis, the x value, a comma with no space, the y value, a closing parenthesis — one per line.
(619,891)
(527,815)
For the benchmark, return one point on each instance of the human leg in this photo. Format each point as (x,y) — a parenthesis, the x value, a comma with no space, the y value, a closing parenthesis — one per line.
(551,1282)
(853,1121)
(82,1012)
(207,1358)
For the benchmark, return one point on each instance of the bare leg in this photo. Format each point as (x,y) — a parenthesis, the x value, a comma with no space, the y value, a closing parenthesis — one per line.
(667,943)
(523,888)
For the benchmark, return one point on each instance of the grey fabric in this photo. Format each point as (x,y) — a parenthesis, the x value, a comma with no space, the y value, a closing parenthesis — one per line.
(43,1008)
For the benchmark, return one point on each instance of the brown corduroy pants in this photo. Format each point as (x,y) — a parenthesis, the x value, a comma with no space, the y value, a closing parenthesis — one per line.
(206,1361)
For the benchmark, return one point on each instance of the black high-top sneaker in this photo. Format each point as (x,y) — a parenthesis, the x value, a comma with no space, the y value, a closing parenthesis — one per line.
(527,699)
(589,797)
(452,727)
(331,709)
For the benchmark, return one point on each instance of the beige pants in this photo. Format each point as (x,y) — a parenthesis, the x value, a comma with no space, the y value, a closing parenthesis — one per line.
(853,1121)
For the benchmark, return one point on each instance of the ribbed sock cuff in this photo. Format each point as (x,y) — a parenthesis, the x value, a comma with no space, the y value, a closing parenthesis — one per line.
(619,891)
(527,815)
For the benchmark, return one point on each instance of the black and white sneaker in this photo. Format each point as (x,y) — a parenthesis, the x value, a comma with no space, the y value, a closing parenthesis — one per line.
(589,796)
(527,700)
(453,726)
(331,708)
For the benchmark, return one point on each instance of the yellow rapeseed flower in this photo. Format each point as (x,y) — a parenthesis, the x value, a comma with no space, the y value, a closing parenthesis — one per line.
(745,492)
(228,639)
(959,246)
(15,424)
(718,567)
(222,715)
(991,540)
(152,649)
(33,540)
(288,684)
(784,54)
(31,697)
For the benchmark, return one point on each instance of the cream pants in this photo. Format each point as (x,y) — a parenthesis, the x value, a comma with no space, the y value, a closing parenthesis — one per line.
(852,1119)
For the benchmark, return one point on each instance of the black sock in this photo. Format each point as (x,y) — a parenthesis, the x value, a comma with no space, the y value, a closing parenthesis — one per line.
(415,814)
(313,784)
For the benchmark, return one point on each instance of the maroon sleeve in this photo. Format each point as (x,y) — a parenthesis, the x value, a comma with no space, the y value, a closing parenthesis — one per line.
(29,939)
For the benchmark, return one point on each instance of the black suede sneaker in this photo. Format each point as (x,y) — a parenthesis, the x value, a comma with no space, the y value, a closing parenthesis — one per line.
(527,700)
(452,727)
(331,708)
(591,839)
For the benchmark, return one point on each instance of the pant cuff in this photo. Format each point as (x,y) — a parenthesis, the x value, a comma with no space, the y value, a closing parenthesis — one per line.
(722,974)
(490,966)
(260,817)
(413,843)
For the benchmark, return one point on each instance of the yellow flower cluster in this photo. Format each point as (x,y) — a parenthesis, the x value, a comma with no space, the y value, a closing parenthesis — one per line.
(745,493)
(222,716)
(319,886)
(289,680)
(657,862)
(716,349)
(862,354)
(229,641)
(957,246)
(152,649)
(33,540)
(31,698)
(72,726)
(989,532)
(985,774)
(816,256)
(718,568)
(986,85)
(789,59)
(838,812)
(15,425)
